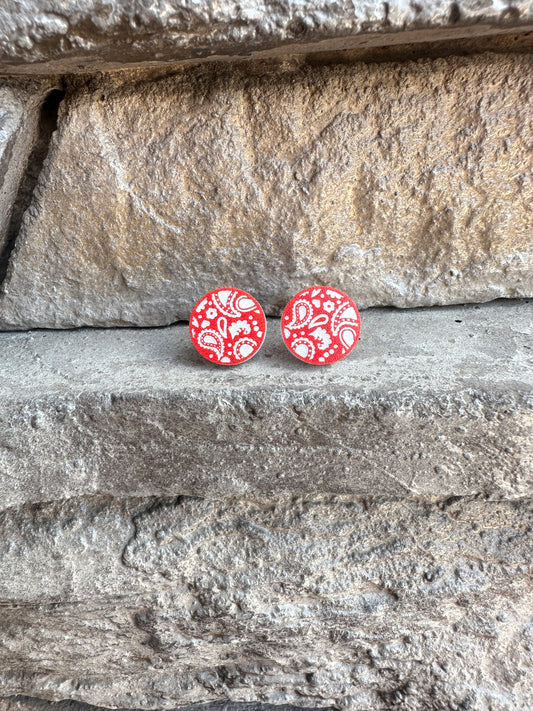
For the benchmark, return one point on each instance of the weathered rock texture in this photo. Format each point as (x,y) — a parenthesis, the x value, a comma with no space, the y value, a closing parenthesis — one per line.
(70,35)
(11,121)
(431,403)
(360,604)
(28,703)
(21,154)
(405,184)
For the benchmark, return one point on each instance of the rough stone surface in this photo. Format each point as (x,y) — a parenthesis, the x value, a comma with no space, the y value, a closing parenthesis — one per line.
(19,115)
(28,703)
(70,35)
(11,120)
(431,402)
(403,184)
(354,603)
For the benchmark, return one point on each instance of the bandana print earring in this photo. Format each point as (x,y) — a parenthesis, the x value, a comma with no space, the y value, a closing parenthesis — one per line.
(320,325)
(227,326)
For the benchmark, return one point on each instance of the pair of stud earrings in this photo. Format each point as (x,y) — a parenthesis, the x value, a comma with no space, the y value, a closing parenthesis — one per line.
(319,325)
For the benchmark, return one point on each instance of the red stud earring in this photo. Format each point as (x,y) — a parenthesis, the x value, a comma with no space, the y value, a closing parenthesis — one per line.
(227,326)
(320,325)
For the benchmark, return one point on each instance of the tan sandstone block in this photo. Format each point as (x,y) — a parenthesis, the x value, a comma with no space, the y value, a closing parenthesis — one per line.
(404,184)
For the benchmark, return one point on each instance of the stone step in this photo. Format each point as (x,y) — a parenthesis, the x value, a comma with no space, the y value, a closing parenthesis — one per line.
(54,36)
(432,402)
(372,604)
(401,184)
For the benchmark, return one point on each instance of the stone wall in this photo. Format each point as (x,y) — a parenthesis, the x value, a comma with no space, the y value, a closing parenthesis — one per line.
(406,184)
(270,536)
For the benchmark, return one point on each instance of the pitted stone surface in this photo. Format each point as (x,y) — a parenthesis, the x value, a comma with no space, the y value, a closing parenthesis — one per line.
(432,402)
(76,35)
(401,184)
(352,603)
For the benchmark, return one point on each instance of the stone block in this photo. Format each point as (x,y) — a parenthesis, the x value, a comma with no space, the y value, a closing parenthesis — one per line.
(79,35)
(353,603)
(402,184)
(434,402)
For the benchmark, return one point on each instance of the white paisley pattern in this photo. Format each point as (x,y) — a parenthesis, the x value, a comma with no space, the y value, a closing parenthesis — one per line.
(321,325)
(227,326)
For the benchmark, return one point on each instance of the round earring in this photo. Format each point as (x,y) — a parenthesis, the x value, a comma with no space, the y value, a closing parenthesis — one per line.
(320,325)
(227,326)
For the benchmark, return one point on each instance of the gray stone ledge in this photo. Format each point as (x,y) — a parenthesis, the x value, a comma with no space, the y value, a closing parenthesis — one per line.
(57,36)
(432,402)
